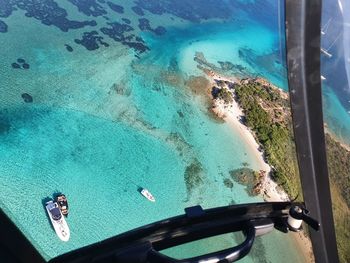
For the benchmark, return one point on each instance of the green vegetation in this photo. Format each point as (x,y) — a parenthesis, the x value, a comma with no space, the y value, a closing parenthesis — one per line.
(339,171)
(267,113)
(339,167)
(225,95)
(341,214)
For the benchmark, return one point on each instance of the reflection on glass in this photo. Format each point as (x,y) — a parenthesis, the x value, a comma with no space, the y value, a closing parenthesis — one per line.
(335,64)
(184,98)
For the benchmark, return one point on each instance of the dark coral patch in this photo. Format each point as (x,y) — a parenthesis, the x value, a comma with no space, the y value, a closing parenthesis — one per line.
(194,175)
(3,27)
(21,64)
(4,125)
(27,98)
(194,10)
(6,8)
(144,25)
(15,65)
(138,10)
(139,39)
(116,8)
(137,46)
(117,30)
(120,33)
(68,47)
(173,65)
(126,21)
(47,11)
(25,66)
(160,30)
(89,7)
(91,40)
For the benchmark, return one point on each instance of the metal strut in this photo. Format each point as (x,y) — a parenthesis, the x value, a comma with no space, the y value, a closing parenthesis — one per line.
(303,28)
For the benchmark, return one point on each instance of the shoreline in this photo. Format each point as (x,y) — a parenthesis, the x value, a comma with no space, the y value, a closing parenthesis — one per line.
(335,138)
(232,114)
(269,190)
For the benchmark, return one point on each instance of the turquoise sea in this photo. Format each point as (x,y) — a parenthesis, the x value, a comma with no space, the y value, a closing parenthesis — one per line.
(107,117)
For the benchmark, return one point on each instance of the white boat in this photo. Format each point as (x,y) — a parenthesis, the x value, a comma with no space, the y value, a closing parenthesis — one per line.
(58,221)
(147,194)
(323,78)
(325,27)
(326,52)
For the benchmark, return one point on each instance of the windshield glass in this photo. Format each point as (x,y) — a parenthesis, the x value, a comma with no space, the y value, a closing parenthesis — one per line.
(56,214)
(335,70)
(187,99)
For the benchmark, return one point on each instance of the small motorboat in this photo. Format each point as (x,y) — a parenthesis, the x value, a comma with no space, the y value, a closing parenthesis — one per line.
(62,204)
(147,194)
(57,220)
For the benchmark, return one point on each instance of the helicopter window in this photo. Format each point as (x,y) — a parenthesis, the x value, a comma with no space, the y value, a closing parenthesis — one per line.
(335,70)
(138,109)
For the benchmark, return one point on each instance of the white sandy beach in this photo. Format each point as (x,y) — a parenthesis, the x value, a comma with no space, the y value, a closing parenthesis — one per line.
(232,114)
(269,190)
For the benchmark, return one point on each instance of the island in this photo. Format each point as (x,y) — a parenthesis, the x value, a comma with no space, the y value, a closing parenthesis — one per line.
(260,112)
